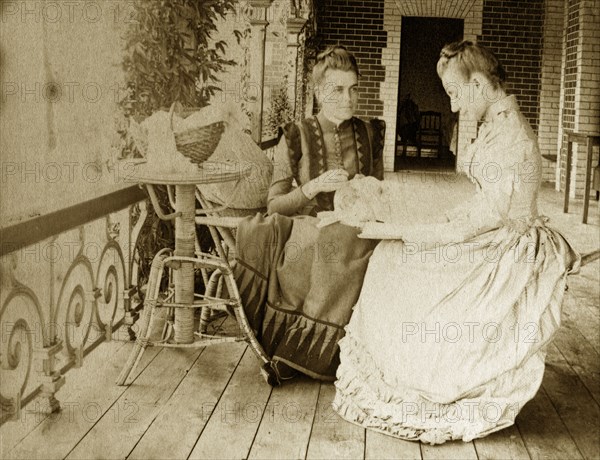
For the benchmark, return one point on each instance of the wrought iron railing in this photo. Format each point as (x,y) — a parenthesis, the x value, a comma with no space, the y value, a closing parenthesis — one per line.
(68,280)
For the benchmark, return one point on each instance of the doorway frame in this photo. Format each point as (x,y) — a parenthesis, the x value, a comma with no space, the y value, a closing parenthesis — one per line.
(471,11)
(426,97)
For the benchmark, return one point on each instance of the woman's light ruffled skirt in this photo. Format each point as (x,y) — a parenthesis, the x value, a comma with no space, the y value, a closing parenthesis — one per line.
(448,342)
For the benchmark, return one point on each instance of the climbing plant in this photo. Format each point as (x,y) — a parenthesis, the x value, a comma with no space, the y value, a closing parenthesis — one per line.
(169,55)
(281,110)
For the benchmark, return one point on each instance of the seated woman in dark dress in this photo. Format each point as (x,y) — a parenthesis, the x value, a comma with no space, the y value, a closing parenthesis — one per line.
(300,282)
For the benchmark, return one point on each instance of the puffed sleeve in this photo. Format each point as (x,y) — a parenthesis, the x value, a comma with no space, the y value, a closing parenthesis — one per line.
(283,197)
(513,167)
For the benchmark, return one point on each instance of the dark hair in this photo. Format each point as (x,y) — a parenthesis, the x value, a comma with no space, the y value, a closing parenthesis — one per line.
(472,57)
(335,57)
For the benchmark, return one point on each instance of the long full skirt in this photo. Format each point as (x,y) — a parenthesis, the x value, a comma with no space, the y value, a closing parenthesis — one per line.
(299,284)
(448,342)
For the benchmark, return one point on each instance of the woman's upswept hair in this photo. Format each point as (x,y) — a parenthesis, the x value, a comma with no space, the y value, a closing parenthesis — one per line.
(471,57)
(336,58)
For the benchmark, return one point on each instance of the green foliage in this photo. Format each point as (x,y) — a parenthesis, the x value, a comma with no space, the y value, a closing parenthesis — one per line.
(281,111)
(168,54)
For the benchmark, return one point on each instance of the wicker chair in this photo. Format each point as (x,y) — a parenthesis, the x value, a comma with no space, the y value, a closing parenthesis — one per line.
(222,223)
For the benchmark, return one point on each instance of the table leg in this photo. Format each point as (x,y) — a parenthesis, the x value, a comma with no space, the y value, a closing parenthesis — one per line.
(568,175)
(143,335)
(183,276)
(588,171)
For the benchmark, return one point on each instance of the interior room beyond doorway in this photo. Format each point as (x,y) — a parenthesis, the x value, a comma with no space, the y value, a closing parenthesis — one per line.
(426,130)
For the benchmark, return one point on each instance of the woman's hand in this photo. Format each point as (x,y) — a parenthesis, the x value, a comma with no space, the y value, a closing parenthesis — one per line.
(329,181)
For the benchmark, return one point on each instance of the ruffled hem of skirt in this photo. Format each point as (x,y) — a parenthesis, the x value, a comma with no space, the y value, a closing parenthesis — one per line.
(364,398)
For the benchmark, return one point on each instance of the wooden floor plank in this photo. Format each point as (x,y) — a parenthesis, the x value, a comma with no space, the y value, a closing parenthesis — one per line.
(583,317)
(93,396)
(505,444)
(544,433)
(458,450)
(175,431)
(333,437)
(575,406)
(584,285)
(379,446)
(114,436)
(233,424)
(580,355)
(285,429)
(13,432)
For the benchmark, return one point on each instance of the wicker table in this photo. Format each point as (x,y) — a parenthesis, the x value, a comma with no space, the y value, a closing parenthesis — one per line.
(590,140)
(180,299)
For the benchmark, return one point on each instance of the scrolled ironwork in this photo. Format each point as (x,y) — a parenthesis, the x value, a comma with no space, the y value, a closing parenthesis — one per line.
(76,306)
(23,331)
(110,278)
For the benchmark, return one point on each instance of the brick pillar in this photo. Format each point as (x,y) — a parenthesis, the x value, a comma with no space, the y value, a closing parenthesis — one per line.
(580,85)
(549,113)
(259,23)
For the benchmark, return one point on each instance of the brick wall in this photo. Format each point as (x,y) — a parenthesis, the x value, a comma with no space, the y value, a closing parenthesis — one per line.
(569,79)
(276,65)
(580,109)
(549,113)
(557,86)
(588,94)
(358,25)
(570,70)
(513,30)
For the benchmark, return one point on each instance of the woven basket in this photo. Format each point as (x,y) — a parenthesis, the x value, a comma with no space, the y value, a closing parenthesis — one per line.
(197,143)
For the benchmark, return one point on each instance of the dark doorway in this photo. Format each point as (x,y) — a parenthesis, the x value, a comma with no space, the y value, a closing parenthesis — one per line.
(421,96)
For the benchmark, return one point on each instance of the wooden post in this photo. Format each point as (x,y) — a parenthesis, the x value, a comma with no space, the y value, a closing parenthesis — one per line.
(259,23)
(294,26)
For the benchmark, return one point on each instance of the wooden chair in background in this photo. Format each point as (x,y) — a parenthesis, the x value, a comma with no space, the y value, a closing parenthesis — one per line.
(429,134)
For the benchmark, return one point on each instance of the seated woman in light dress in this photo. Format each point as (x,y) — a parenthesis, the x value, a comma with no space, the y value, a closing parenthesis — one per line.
(448,338)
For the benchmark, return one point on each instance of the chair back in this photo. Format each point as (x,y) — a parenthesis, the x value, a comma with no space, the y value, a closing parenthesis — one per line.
(430,132)
(431,122)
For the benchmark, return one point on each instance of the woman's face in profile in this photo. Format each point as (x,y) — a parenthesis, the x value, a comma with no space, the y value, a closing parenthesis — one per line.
(338,94)
(466,96)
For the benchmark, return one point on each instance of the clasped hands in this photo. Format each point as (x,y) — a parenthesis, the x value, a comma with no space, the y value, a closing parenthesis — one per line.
(329,181)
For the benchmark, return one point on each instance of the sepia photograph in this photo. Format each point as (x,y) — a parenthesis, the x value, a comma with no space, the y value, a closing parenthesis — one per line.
(300,229)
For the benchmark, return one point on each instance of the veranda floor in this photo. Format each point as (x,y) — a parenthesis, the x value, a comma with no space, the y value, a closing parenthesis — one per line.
(212,403)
